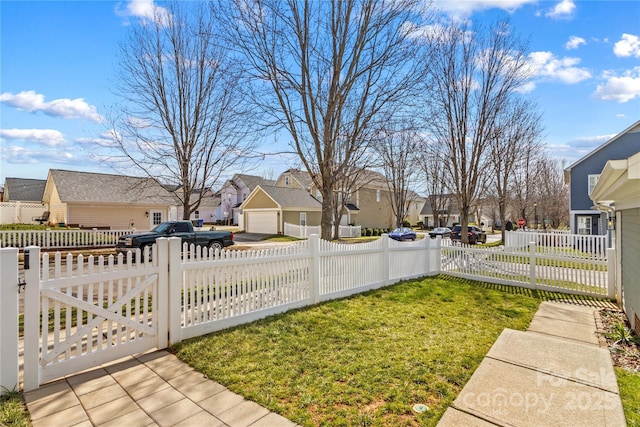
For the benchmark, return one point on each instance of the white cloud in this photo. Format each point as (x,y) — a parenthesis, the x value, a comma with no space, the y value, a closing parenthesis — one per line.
(63,107)
(574,42)
(21,155)
(619,88)
(106,139)
(146,10)
(629,45)
(546,64)
(50,137)
(461,9)
(564,9)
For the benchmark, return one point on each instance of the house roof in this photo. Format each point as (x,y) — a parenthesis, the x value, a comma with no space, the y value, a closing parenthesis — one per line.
(635,126)
(252,181)
(24,189)
(450,204)
(303,177)
(290,197)
(619,184)
(91,187)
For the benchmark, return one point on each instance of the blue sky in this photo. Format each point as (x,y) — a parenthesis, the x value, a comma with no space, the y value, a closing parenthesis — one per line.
(58,68)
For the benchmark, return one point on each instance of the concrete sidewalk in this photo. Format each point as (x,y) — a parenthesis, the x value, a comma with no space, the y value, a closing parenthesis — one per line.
(556,373)
(147,390)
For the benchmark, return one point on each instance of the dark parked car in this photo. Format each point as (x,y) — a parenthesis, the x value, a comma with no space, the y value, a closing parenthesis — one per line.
(440,231)
(403,233)
(476,235)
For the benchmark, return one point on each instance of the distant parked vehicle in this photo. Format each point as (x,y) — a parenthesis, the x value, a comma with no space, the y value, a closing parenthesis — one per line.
(403,233)
(440,231)
(476,235)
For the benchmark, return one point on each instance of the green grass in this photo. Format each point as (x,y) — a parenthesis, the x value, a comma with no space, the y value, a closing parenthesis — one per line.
(629,384)
(13,411)
(368,359)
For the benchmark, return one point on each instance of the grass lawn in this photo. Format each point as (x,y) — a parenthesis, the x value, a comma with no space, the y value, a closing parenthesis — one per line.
(12,411)
(368,359)
(629,384)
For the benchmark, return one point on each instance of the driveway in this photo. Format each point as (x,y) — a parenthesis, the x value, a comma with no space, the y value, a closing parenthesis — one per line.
(249,237)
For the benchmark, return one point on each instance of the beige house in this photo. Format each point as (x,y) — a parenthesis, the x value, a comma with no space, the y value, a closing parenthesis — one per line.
(368,206)
(267,208)
(119,202)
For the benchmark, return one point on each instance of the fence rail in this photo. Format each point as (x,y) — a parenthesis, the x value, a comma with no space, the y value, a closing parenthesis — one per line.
(53,239)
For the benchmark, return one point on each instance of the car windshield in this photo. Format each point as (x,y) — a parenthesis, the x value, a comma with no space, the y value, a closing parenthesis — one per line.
(401,230)
(162,228)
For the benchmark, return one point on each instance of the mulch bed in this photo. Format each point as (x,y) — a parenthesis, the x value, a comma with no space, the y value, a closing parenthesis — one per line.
(624,354)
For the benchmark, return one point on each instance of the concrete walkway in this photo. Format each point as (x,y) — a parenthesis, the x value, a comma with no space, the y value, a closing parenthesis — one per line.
(147,390)
(555,374)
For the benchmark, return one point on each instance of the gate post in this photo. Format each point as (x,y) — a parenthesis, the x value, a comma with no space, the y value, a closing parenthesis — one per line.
(8,320)
(32,319)
(174,317)
(161,314)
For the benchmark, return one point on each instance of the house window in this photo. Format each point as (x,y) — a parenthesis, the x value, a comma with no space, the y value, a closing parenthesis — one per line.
(157,218)
(303,219)
(244,197)
(197,213)
(584,225)
(319,196)
(286,180)
(378,196)
(593,180)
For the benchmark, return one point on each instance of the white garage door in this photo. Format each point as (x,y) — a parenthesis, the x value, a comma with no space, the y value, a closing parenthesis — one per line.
(262,222)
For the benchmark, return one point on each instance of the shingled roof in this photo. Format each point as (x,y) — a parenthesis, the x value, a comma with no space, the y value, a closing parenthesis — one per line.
(24,189)
(91,187)
(291,197)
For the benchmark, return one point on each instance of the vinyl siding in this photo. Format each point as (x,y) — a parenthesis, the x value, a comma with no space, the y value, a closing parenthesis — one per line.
(261,201)
(118,218)
(293,217)
(630,254)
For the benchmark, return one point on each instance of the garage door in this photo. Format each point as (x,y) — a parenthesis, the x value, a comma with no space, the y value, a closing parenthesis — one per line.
(262,222)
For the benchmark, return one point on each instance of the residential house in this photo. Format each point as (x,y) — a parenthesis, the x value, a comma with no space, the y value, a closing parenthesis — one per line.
(582,177)
(368,206)
(232,193)
(441,210)
(24,190)
(100,200)
(268,207)
(617,195)
(22,201)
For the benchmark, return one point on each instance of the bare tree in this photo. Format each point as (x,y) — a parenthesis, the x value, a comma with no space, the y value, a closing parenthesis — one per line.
(518,130)
(476,71)
(552,193)
(433,166)
(330,73)
(183,120)
(398,153)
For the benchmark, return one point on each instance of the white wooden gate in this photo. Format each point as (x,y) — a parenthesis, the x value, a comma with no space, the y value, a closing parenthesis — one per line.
(92,312)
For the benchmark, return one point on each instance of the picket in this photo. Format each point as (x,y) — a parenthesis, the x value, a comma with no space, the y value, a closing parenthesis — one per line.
(61,239)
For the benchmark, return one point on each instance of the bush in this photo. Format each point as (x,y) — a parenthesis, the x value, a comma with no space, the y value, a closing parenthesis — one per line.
(369,232)
(363,232)
(406,223)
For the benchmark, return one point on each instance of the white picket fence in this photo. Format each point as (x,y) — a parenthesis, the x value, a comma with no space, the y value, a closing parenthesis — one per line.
(20,213)
(304,231)
(59,239)
(533,269)
(95,310)
(561,244)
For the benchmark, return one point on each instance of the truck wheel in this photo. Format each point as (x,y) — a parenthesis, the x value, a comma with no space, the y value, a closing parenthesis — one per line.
(215,245)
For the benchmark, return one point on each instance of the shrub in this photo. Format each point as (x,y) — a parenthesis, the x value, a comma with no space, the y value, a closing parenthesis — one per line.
(406,223)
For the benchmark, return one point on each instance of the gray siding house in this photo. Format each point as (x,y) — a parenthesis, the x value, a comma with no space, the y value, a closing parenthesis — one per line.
(618,191)
(582,177)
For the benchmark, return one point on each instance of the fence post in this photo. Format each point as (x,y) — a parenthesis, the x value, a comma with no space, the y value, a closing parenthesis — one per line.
(437,256)
(614,290)
(175,289)
(8,320)
(161,315)
(32,319)
(532,264)
(387,259)
(314,267)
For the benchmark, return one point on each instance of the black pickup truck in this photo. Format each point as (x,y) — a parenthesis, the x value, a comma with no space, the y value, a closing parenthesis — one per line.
(184,229)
